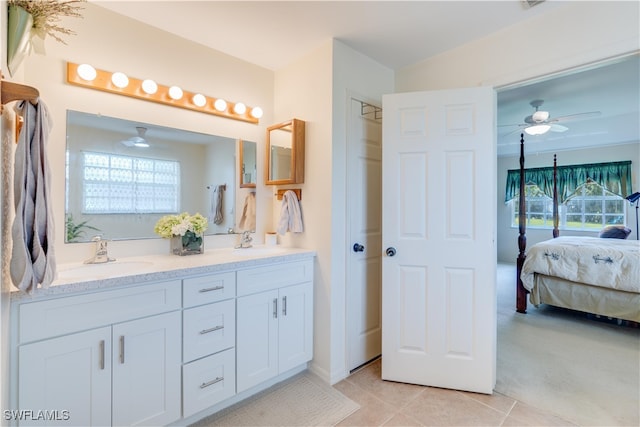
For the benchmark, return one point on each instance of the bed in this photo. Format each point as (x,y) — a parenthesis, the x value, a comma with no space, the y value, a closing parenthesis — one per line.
(594,275)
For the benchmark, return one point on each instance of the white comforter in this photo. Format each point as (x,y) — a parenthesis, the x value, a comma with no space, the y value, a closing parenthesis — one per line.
(608,263)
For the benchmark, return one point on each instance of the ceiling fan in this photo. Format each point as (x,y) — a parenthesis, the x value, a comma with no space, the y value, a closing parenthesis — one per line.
(540,121)
(139,140)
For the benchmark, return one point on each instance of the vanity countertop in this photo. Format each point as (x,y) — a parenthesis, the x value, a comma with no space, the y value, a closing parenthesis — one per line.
(79,277)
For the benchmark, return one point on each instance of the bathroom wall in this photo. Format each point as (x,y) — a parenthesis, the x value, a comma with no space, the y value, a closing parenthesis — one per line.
(316,89)
(144,52)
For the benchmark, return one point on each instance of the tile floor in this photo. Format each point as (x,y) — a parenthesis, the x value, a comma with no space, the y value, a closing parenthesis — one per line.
(384,403)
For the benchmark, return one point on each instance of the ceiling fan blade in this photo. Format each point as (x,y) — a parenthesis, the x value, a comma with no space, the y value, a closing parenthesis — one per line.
(557,128)
(581,116)
(511,125)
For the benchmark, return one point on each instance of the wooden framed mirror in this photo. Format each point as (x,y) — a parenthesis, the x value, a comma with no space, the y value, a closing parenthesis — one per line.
(248,162)
(285,153)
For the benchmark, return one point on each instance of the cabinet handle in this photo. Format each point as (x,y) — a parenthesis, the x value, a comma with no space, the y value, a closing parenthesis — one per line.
(215,288)
(284,306)
(215,328)
(275,308)
(102,354)
(212,382)
(121,348)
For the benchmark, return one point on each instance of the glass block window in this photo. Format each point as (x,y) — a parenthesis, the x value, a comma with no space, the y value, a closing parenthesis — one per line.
(114,183)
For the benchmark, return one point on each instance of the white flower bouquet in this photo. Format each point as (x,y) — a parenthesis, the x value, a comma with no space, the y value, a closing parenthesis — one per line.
(184,228)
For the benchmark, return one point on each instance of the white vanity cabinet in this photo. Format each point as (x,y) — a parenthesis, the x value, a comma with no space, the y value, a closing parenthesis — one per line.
(275,321)
(104,358)
(209,337)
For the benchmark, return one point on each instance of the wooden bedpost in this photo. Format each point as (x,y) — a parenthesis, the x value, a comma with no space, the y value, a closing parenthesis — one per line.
(521,292)
(556,220)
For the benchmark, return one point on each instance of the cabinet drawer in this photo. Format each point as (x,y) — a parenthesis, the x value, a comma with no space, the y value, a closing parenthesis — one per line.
(61,316)
(207,289)
(208,329)
(208,381)
(261,279)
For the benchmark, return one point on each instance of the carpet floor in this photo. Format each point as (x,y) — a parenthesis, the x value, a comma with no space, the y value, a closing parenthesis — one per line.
(582,369)
(303,400)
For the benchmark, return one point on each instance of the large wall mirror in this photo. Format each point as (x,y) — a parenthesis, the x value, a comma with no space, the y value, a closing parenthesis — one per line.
(285,153)
(122,176)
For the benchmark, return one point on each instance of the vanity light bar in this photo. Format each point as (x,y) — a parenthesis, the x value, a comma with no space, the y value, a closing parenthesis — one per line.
(167,95)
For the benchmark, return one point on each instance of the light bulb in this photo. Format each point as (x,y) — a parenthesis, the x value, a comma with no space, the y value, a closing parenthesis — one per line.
(120,79)
(199,100)
(220,104)
(239,108)
(256,112)
(149,86)
(175,92)
(537,129)
(87,72)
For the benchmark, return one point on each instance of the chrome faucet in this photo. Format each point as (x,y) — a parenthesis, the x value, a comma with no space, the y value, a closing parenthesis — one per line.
(245,240)
(101,256)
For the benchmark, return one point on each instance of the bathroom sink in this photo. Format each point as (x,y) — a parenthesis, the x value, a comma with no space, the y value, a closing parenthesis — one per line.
(258,251)
(105,270)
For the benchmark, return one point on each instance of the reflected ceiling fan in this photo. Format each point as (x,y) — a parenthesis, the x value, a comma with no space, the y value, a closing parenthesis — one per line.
(540,121)
(139,140)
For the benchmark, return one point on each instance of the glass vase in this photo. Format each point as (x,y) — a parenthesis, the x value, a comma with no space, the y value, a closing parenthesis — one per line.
(189,244)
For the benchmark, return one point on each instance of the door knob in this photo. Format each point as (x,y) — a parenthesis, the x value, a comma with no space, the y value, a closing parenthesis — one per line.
(357,247)
(391,251)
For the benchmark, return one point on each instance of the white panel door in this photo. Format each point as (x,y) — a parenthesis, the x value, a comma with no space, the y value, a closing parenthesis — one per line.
(147,370)
(439,214)
(364,270)
(70,373)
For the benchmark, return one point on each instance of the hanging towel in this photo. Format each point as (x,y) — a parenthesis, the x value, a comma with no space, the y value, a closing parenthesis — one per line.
(218,196)
(32,232)
(290,214)
(248,219)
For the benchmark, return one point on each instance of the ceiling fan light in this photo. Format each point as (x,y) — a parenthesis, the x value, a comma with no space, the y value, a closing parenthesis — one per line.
(537,129)
(540,116)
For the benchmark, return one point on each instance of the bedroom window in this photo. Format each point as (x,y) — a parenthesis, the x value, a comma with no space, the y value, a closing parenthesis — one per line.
(592,207)
(539,208)
(589,208)
(113,183)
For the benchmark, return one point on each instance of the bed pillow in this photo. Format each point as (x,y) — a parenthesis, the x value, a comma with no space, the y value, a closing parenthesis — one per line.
(614,232)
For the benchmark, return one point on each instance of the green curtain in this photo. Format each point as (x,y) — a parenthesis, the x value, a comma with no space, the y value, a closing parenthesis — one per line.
(613,176)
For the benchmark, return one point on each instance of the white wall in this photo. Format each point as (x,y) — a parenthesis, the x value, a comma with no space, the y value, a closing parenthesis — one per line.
(565,37)
(316,89)
(508,236)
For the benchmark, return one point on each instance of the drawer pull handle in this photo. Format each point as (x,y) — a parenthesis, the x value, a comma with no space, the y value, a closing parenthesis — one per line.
(215,288)
(212,382)
(102,354)
(215,328)
(121,348)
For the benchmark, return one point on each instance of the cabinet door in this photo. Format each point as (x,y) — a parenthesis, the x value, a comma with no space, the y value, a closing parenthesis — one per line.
(69,378)
(295,333)
(257,339)
(146,370)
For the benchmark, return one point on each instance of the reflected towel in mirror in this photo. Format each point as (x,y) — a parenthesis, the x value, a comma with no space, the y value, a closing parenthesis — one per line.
(248,220)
